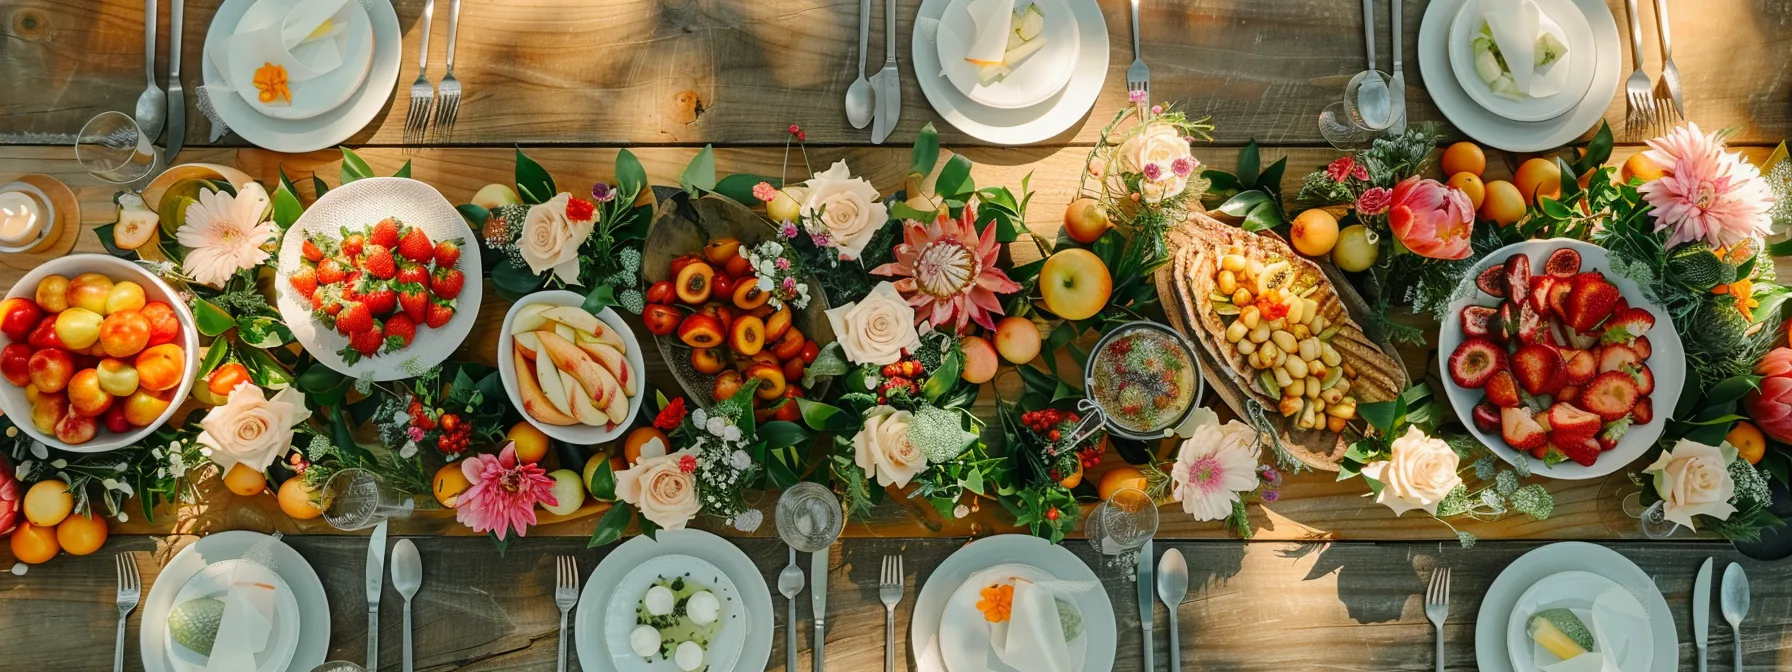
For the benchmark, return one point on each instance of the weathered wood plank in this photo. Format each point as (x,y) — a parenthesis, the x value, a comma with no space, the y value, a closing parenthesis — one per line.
(687,72)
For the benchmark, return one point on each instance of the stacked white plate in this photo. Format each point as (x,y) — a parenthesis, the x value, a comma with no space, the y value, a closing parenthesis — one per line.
(1575,91)
(1569,575)
(607,605)
(301,625)
(324,111)
(946,630)
(1045,94)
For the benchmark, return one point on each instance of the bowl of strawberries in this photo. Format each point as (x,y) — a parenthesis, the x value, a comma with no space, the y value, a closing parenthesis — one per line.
(1551,358)
(380,278)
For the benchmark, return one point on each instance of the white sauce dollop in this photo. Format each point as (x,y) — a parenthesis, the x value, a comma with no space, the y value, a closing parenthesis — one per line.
(689,656)
(645,640)
(659,601)
(703,608)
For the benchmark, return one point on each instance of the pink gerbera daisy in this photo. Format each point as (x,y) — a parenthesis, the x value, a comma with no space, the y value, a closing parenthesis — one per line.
(504,493)
(225,234)
(1707,194)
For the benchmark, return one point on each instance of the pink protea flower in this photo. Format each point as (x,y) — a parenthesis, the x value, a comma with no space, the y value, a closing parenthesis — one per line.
(1770,405)
(949,273)
(1706,194)
(1374,201)
(1431,219)
(504,493)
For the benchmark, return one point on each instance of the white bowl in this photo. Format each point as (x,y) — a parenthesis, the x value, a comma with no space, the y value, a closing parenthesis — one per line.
(12,398)
(582,435)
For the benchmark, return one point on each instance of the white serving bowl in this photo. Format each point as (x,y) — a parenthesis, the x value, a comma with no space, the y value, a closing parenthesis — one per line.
(12,398)
(582,435)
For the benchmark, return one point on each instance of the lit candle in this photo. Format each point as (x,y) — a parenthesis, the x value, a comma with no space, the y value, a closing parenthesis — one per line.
(21,218)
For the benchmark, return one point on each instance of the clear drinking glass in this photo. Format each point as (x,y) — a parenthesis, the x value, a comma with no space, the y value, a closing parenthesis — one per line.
(111,147)
(356,499)
(1123,523)
(809,517)
(339,666)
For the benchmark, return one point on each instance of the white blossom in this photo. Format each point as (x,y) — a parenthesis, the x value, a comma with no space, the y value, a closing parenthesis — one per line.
(408,449)
(699,416)
(716,425)
(59,463)
(731,433)
(749,520)
(739,459)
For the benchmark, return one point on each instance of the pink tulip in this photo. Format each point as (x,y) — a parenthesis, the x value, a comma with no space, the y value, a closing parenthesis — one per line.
(1431,219)
(1771,404)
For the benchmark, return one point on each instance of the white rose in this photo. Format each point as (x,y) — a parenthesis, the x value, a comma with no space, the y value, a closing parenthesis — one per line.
(661,489)
(1693,479)
(881,447)
(1421,472)
(876,329)
(845,208)
(250,429)
(551,240)
(1159,144)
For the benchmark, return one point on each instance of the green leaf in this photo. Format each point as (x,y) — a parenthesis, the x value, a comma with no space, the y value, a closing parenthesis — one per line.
(1553,207)
(353,167)
(286,208)
(1379,414)
(263,332)
(927,151)
(599,298)
(1271,179)
(211,319)
(700,175)
(1248,161)
(603,482)
(516,278)
(902,210)
(782,434)
(476,216)
(404,171)
(320,378)
(955,179)
(1730,389)
(943,379)
(1219,180)
(318,187)
(1025,273)
(740,187)
(1598,151)
(533,182)
(1263,217)
(214,356)
(1570,180)
(825,418)
(631,178)
(1244,203)
(611,526)
(106,239)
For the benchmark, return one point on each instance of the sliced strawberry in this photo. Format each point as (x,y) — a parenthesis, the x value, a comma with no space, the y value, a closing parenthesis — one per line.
(1532,328)
(1540,288)
(1538,369)
(1558,297)
(1582,448)
(1518,277)
(1611,395)
(1502,390)
(1616,357)
(1507,323)
(1478,320)
(1566,419)
(1521,430)
(1563,263)
(1581,366)
(1642,347)
(1643,411)
(1590,301)
(1476,360)
(1627,326)
(1493,281)
(1613,433)
(1568,393)
(1645,379)
(1487,416)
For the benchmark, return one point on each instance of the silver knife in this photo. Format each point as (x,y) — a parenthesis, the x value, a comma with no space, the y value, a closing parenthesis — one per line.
(1147,601)
(177,99)
(887,83)
(1701,609)
(818,600)
(376,583)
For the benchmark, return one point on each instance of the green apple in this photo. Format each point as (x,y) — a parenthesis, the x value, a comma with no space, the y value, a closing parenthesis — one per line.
(569,494)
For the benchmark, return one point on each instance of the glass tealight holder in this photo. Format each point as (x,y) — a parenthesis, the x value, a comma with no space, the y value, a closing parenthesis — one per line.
(27,218)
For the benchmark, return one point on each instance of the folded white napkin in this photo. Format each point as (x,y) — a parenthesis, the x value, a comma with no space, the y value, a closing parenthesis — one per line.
(1515,24)
(285,34)
(1033,637)
(247,623)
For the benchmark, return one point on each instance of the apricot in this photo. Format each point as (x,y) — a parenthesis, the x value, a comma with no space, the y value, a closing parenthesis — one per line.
(48,503)
(1017,338)
(1504,205)
(727,383)
(1470,186)
(747,337)
(124,333)
(144,406)
(979,360)
(78,328)
(85,395)
(34,544)
(52,293)
(90,291)
(707,360)
(164,324)
(738,267)
(18,316)
(244,481)
(295,498)
(114,420)
(694,282)
(161,367)
(788,346)
(1085,221)
(117,377)
(226,378)
(50,370)
(720,250)
(793,369)
(81,535)
(47,410)
(15,363)
(639,440)
(76,429)
(125,295)
(700,331)
(1638,166)
(1538,178)
(777,323)
(748,297)
(771,381)
(1464,157)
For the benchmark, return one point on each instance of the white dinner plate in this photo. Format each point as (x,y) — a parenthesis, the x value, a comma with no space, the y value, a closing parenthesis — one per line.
(1003,549)
(1019,126)
(1575,591)
(1034,79)
(325,130)
(1667,361)
(306,589)
(724,648)
(214,581)
(314,96)
(357,205)
(965,634)
(1562,88)
(755,594)
(1502,598)
(1496,131)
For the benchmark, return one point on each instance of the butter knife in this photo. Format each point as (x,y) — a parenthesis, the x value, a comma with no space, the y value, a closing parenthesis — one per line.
(1701,610)
(376,583)
(1147,602)
(818,600)
(177,99)
(887,83)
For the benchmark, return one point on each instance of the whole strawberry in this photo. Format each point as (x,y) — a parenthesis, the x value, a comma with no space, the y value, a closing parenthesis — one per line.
(353,243)
(354,318)
(411,273)
(380,298)
(416,247)
(448,253)
(379,263)
(305,281)
(447,282)
(385,233)
(413,298)
(332,271)
(400,331)
(311,251)
(368,342)
(440,313)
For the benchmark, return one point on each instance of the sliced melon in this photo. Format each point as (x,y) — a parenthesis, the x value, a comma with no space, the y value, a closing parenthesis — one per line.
(1560,632)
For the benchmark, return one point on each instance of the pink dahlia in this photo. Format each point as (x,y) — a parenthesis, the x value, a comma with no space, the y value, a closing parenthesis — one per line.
(504,493)
(1706,194)
(950,272)
(1431,219)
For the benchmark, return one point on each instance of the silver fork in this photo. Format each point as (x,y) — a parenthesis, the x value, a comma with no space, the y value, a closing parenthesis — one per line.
(566,594)
(1138,77)
(448,103)
(422,94)
(130,591)
(890,592)
(1437,607)
(1641,112)
(1667,91)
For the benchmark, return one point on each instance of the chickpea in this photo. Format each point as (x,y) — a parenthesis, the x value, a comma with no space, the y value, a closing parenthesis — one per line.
(1236,332)
(1228,282)
(1241,297)
(1250,316)
(1244,345)
(1232,263)
(1283,340)
(1295,367)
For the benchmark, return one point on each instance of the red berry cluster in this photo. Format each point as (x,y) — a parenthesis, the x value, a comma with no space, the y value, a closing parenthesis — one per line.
(1050,423)
(904,375)
(456,436)
(380,285)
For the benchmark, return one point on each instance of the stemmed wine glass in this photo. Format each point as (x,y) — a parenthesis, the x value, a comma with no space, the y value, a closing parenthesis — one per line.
(1119,526)
(356,499)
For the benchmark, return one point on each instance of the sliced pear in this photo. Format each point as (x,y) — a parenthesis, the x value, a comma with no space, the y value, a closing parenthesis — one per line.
(614,362)
(617,410)
(582,407)
(528,344)
(565,331)
(530,318)
(535,402)
(597,382)
(575,317)
(549,378)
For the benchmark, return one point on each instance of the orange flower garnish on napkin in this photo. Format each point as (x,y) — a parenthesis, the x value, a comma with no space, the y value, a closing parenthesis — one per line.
(997,602)
(270,81)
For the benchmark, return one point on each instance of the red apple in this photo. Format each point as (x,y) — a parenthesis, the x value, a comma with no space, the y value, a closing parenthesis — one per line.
(17,317)
(50,370)
(15,363)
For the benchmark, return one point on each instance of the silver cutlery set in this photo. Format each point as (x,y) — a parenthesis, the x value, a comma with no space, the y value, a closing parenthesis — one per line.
(158,111)
(434,108)
(1652,108)
(877,102)
(1734,602)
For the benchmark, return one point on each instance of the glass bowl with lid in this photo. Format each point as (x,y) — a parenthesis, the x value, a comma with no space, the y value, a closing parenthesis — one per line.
(1141,382)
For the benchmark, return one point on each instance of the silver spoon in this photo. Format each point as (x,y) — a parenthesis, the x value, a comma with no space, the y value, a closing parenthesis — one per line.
(858,95)
(1735,602)
(1172,586)
(407,577)
(1373,103)
(152,105)
(790,584)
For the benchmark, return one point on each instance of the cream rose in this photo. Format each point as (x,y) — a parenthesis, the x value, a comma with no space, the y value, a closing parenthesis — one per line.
(661,488)
(250,429)
(1421,472)
(882,449)
(1694,479)
(843,207)
(1159,144)
(876,329)
(550,240)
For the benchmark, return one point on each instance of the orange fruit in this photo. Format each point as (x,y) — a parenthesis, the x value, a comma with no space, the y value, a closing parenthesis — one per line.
(81,535)
(1074,479)
(1503,203)
(1747,439)
(34,544)
(631,446)
(1470,185)
(245,481)
(531,443)
(449,483)
(48,502)
(295,500)
(1537,178)
(1464,157)
(1641,167)
(1314,232)
(1120,478)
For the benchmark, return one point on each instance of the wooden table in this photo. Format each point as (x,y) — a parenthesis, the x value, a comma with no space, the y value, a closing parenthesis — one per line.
(573,81)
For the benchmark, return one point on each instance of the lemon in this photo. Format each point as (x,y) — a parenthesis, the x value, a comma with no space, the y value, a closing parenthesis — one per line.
(1357,248)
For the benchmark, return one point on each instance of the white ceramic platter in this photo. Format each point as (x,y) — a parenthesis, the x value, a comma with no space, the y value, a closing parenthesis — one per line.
(1567,81)
(619,618)
(1005,549)
(1502,598)
(1033,80)
(214,581)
